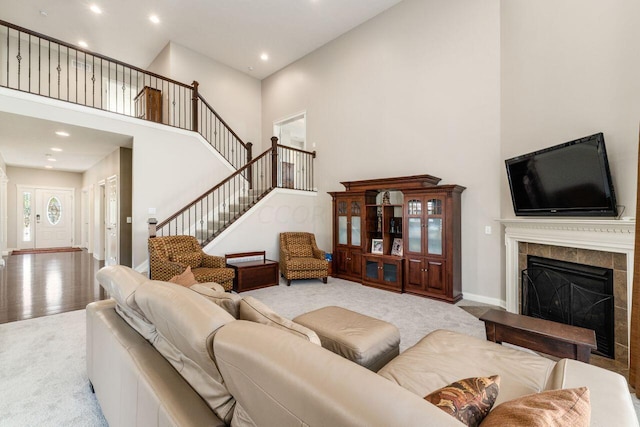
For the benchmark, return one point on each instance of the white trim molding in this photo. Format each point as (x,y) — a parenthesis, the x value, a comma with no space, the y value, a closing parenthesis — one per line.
(599,235)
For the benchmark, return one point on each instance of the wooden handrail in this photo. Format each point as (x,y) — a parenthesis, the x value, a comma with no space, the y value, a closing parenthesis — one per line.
(222,120)
(203,195)
(312,153)
(88,52)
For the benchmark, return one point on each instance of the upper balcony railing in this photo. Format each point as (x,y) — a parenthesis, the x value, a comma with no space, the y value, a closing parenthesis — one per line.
(38,64)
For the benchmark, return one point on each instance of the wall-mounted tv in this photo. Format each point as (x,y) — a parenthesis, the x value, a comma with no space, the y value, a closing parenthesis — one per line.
(570,179)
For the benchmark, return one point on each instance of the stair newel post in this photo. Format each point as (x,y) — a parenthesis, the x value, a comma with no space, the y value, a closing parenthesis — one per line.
(194,107)
(250,168)
(274,161)
(152,226)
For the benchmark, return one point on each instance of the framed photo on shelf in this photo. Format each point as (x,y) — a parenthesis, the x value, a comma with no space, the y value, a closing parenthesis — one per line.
(376,246)
(396,248)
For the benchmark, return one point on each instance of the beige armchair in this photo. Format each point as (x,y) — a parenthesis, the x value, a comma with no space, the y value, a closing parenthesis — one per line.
(300,257)
(171,255)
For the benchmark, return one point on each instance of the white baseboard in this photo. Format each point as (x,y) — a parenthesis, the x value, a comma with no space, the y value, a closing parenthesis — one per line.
(485,300)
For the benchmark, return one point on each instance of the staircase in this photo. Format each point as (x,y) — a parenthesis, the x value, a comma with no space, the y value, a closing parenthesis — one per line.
(48,67)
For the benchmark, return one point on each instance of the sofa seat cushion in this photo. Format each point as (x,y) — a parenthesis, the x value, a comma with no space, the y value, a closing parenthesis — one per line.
(255,311)
(443,357)
(307,264)
(186,325)
(367,341)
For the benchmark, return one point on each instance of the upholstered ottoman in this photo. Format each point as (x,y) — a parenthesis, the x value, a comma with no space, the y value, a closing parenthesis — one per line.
(369,342)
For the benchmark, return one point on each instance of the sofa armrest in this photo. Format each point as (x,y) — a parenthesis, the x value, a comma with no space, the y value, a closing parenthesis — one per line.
(610,398)
(212,261)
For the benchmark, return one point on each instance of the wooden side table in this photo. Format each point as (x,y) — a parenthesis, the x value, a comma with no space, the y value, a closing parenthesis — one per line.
(253,274)
(545,336)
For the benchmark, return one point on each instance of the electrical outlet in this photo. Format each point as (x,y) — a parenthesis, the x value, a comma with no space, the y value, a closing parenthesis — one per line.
(487,229)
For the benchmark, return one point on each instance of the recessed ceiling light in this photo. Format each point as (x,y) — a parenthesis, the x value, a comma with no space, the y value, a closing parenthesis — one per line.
(250,68)
(264,57)
(154,19)
(83,43)
(49,167)
(51,159)
(95,9)
(62,133)
(56,149)
(43,13)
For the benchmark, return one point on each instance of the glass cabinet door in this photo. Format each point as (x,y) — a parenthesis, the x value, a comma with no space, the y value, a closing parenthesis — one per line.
(390,272)
(355,224)
(434,226)
(414,222)
(342,222)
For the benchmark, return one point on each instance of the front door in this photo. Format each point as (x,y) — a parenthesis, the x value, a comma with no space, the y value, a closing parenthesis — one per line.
(45,217)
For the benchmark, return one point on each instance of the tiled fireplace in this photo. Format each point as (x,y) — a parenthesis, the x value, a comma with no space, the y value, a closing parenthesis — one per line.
(599,243)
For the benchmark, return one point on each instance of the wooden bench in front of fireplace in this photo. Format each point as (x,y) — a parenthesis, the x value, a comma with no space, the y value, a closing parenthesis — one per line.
(545,336)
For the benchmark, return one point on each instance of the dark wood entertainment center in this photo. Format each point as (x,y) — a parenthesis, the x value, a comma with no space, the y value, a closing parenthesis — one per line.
(399,234)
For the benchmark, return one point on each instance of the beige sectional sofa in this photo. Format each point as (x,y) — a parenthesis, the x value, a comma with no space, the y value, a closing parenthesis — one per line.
(164,355)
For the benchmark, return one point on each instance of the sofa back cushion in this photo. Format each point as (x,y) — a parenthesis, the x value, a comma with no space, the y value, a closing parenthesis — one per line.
(281,380)
(121,282)
(226,300)
(186,324)
(254,311)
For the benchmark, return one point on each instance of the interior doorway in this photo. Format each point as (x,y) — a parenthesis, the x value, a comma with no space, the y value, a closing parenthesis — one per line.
(292,131)
(46,217)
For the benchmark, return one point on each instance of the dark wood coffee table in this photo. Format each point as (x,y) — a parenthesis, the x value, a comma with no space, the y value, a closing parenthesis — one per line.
(545,336)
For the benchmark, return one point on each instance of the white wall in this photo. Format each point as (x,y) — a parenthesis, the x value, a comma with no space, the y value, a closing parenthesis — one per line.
(570,69)
(171,167)
(234,95)
(414,90)
(259,230)
(43,179)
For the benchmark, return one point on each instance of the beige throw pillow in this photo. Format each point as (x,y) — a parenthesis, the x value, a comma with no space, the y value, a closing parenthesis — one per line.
(254,311)
(185,279)
(553,408)
(228,301)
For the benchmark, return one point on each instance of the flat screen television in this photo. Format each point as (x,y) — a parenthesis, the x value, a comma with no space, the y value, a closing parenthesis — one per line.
(570,179)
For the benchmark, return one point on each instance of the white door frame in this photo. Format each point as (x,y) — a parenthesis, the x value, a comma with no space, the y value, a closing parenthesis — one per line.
(112,226)
(4,180)
(99,219)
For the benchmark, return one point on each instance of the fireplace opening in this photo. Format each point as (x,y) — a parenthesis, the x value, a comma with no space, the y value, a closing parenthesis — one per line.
(570,293)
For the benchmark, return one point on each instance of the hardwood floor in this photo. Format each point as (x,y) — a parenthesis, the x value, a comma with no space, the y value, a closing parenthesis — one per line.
(36,285)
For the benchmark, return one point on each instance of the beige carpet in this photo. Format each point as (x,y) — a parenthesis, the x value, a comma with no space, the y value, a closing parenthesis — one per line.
(413,315)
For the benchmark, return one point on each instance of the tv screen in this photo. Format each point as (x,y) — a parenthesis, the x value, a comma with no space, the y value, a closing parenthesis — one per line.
(571,179)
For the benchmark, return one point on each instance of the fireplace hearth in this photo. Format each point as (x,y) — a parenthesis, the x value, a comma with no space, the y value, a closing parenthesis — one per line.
(573,294)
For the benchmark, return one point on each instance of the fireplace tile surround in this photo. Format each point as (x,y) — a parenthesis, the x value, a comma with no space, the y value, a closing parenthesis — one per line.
(602,243)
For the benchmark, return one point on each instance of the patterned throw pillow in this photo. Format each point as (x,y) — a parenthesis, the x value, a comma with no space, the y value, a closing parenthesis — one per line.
(192,259)
(553,408)
(468,400)
(185,279)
